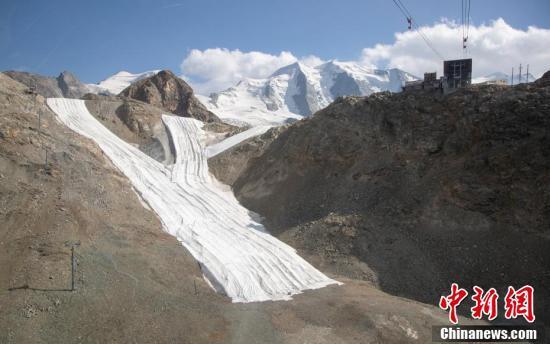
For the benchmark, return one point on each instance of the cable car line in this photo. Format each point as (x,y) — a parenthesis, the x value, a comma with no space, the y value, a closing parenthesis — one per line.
(412,24)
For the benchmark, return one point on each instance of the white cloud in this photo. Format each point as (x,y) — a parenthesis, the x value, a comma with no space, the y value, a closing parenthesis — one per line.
(496,47)
(217,69)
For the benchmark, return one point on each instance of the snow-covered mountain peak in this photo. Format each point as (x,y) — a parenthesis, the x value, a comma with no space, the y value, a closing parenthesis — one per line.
(298,90)
(117,82)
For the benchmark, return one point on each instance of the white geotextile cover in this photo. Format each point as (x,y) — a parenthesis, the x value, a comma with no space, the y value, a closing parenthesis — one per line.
(237,256)
(220,147)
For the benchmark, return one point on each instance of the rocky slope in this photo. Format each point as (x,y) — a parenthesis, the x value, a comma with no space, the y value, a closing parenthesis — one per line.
(415,191)
(167,91)
(227,167)
(134,283)
(65,85)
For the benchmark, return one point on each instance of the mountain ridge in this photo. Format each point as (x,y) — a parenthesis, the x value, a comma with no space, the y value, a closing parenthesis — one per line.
(66,84)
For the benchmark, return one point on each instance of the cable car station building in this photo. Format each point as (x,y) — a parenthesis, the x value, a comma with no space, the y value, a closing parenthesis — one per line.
(456,74)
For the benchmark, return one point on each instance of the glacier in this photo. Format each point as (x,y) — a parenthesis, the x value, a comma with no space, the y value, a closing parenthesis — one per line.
(237,256)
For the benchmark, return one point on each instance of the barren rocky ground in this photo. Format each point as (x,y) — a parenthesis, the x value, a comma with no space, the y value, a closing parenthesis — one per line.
(133,282)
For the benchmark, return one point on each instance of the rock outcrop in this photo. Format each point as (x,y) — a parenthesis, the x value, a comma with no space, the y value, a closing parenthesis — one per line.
(70,86)
(544,80)
(135,122)
(165,90)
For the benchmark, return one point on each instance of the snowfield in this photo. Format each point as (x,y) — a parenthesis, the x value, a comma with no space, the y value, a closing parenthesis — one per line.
(236,254)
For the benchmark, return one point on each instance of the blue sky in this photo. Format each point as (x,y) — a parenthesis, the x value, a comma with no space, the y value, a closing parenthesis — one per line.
(95,39)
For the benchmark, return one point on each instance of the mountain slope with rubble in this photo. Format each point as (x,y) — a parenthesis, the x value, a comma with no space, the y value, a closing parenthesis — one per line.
(412,191)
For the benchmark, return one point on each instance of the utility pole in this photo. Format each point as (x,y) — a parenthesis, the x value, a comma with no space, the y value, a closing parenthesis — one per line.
(519,82)
(527,74)
(512,76)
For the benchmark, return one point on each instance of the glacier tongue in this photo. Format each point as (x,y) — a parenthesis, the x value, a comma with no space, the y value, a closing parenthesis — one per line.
(236,254)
